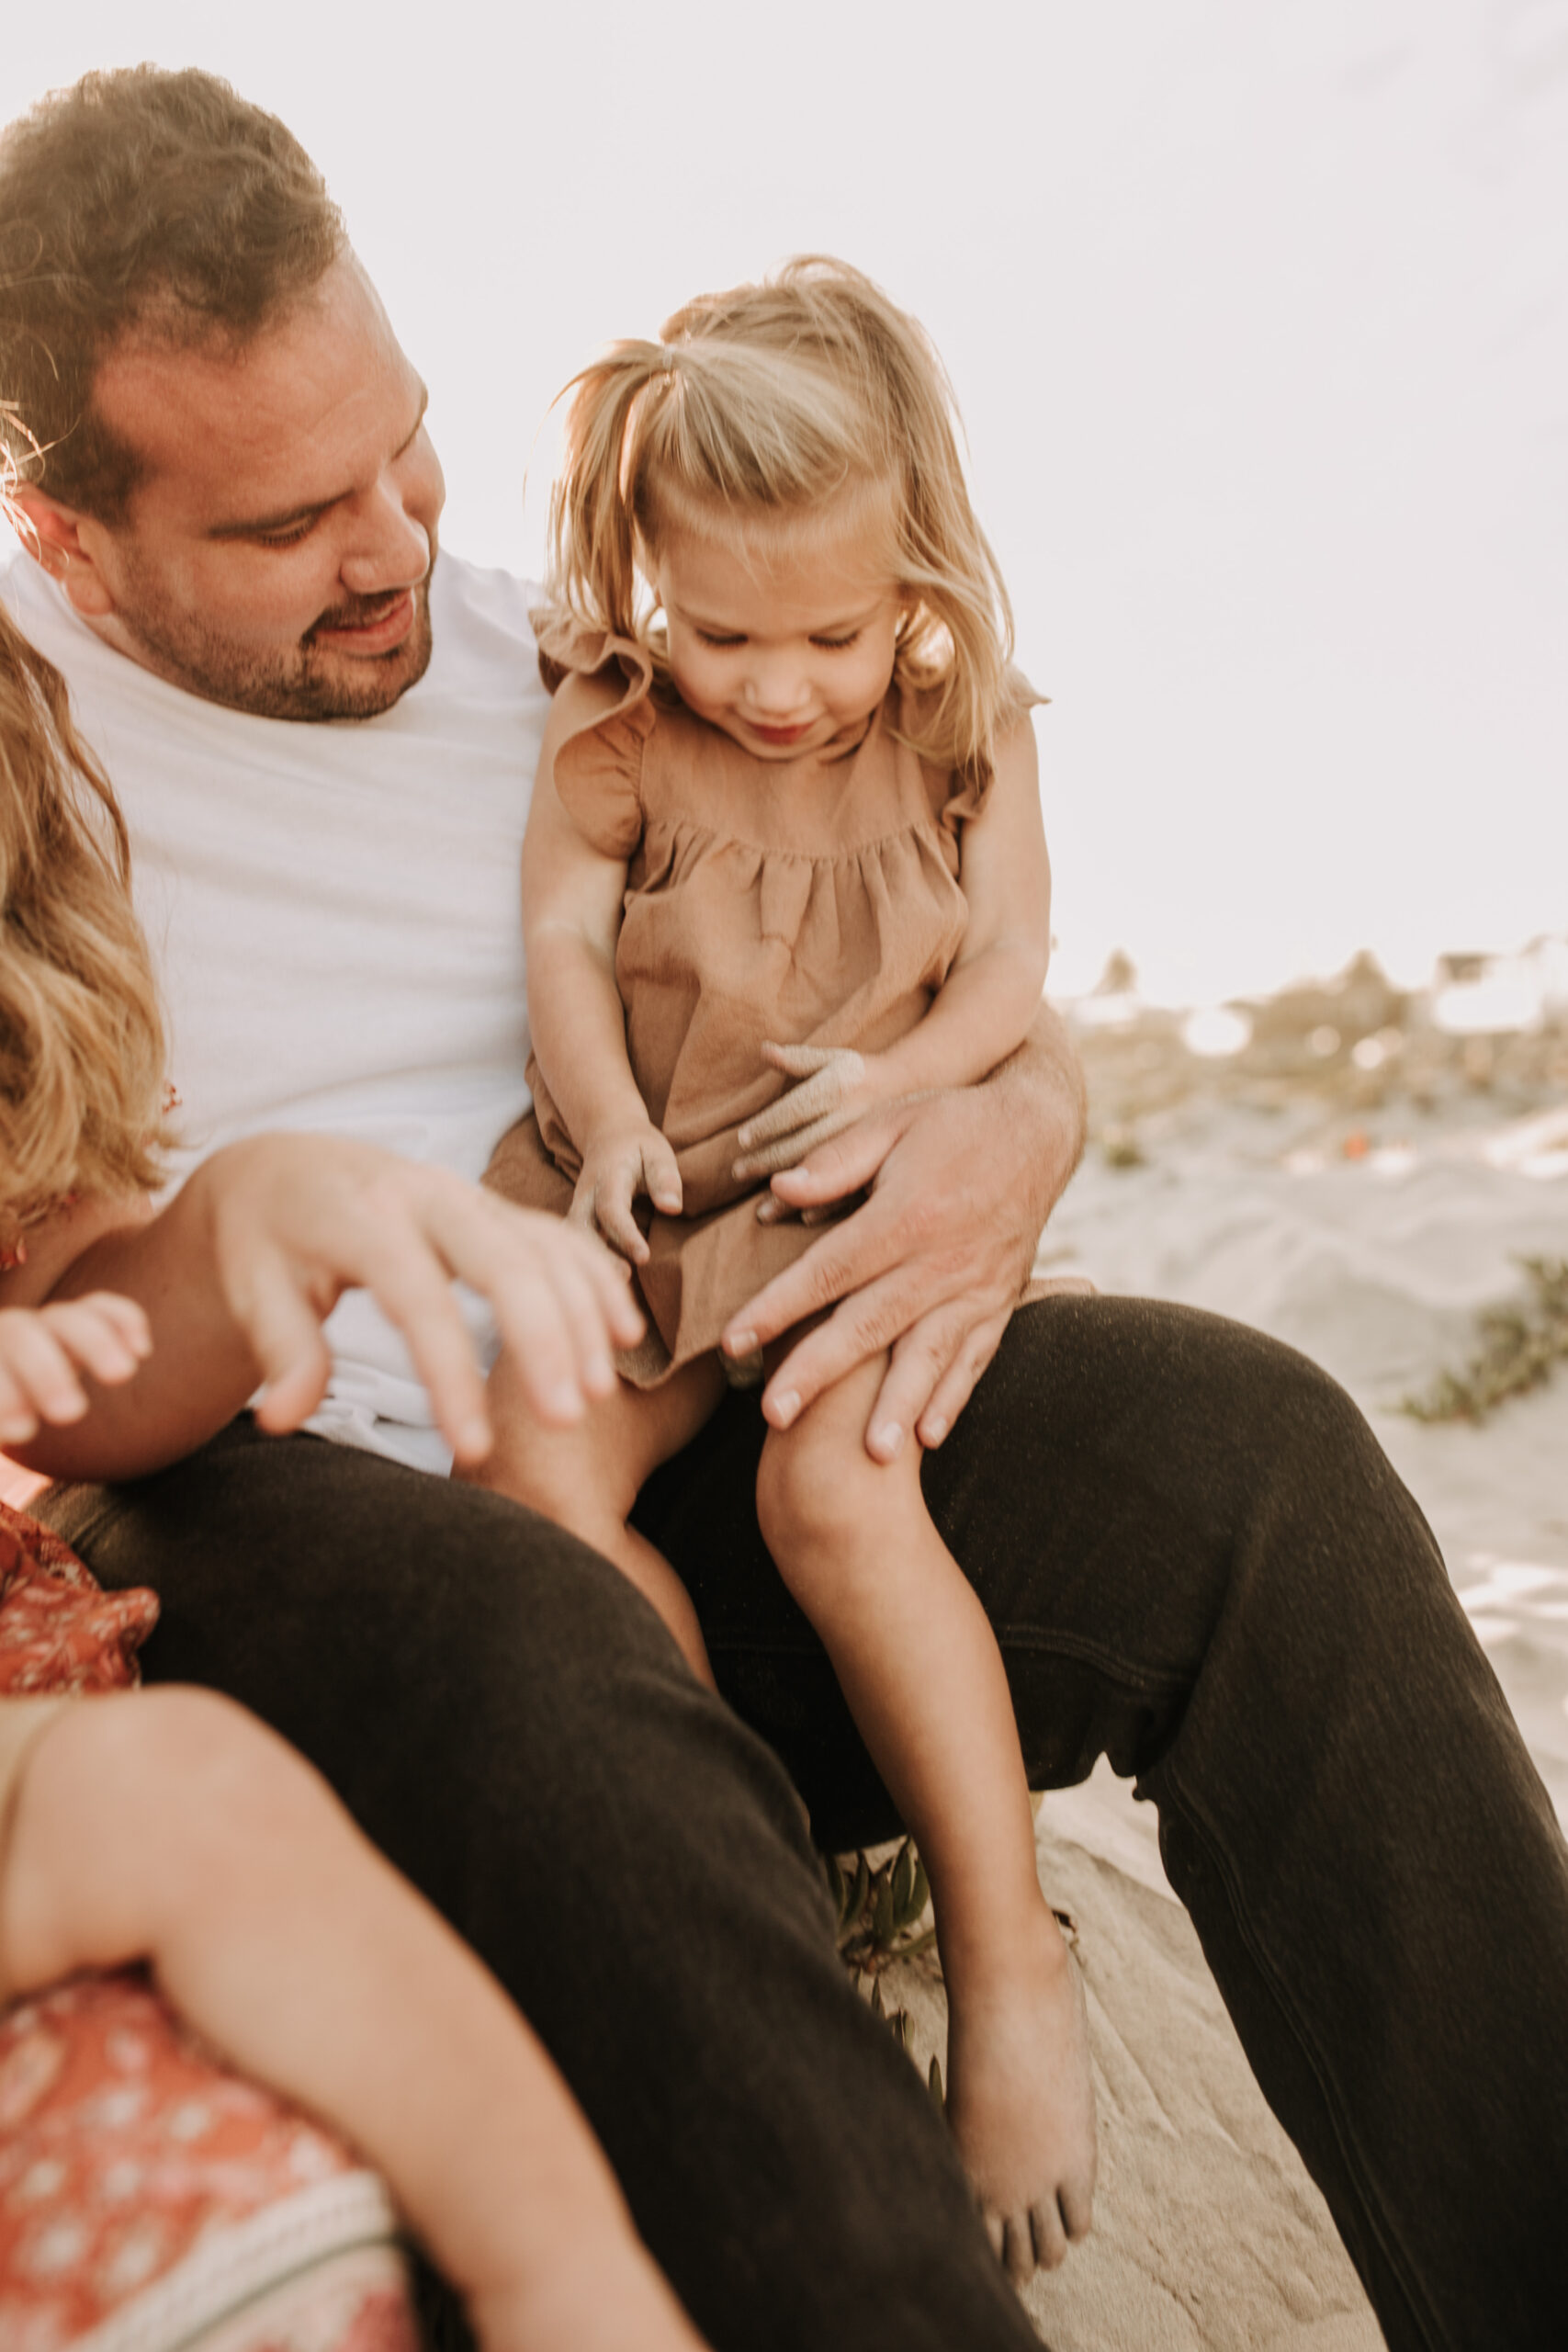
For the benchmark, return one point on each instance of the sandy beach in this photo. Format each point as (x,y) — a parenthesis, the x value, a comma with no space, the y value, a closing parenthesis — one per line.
(1364,1178)
(1361,1173)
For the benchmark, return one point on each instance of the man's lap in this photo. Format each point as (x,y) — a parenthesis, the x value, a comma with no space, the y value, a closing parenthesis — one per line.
(1095,1491)
(516,1728)
(1197,1560)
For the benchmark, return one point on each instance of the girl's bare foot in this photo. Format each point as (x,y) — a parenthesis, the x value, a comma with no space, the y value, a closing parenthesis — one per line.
(1020,2098)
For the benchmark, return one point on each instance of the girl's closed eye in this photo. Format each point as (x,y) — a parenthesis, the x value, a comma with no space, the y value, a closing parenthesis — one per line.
(838,644)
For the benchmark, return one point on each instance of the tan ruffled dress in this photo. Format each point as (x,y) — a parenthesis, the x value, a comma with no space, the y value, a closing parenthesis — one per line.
(809,901)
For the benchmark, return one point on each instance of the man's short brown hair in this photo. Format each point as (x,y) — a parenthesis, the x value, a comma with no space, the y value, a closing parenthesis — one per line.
(147,203)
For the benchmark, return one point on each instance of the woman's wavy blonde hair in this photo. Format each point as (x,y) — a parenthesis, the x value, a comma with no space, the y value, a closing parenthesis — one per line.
(755,410)
(81,1038)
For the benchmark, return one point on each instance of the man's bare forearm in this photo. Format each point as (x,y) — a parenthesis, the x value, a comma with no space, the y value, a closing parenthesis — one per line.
(1045,1084)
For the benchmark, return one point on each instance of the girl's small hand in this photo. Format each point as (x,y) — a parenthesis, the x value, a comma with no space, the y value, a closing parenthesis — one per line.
(42,1349)
(617,1168)
(837,1086)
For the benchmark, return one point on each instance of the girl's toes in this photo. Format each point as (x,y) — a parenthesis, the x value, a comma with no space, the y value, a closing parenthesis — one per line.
(1078,2210)
(1047,2230)
(996,2230)
(1017,2248)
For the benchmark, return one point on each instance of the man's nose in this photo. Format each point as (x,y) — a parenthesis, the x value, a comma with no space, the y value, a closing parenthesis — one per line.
(396,525)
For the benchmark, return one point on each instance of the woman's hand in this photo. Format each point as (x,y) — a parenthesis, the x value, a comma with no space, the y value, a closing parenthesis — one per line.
(239,1270)
(296,1220)
(43,1349)
(621,1165)
(835,1086)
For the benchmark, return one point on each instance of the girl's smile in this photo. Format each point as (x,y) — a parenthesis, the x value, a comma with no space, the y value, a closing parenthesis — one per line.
(788,645)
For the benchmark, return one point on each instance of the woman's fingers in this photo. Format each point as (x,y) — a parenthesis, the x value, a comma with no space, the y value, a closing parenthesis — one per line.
(282,1327)
(571,1287)
(560,1304)
(300,1220)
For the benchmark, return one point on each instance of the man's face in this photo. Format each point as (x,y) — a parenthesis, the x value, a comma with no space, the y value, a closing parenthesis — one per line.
(277,555)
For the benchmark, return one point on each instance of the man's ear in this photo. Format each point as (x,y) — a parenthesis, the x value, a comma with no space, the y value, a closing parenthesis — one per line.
(53,536)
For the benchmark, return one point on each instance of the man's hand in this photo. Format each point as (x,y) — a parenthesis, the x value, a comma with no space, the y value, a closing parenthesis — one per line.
(296,1220)
(931,1265)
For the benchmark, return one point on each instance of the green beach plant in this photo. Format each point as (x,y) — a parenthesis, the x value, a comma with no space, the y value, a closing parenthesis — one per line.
(880,1917)
(879,1911)
(1521,1344)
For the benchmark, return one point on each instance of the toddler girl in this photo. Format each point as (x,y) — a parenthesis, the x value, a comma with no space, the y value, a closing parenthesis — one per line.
(784,862)
(145,2192)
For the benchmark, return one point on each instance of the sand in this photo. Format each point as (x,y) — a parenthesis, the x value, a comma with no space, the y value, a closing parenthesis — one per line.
(1366,1208)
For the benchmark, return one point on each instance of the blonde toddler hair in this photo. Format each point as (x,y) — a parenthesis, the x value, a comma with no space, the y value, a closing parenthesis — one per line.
(80,1040)
(755,410)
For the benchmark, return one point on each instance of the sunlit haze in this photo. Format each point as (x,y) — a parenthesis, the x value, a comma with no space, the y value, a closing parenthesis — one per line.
(1257,317)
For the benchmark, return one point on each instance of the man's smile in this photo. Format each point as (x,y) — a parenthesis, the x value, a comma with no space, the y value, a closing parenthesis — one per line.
(379,631)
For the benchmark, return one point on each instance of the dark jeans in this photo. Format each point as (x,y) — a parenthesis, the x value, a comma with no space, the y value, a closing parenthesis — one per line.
(1197,1560)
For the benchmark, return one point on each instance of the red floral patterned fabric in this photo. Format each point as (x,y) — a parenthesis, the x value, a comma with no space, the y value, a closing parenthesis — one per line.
(151,2199)
(57,1631)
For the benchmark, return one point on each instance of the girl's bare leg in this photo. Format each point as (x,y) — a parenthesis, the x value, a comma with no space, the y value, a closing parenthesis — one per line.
(587,1478)
(921,1669)
(169,1825)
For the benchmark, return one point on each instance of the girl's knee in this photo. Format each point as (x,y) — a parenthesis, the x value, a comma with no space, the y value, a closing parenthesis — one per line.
(820,1492)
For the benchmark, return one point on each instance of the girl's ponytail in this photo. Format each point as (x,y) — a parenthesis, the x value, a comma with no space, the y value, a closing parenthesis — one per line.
(592,527)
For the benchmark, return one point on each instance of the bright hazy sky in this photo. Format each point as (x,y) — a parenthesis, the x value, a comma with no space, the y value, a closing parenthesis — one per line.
(1257,315)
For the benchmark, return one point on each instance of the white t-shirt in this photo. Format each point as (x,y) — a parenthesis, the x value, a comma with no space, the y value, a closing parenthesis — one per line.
(333,914)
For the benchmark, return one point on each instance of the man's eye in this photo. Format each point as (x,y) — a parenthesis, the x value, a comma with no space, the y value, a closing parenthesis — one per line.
(291,538)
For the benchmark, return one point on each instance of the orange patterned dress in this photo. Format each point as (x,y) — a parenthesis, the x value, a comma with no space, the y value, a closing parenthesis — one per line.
(150,2199)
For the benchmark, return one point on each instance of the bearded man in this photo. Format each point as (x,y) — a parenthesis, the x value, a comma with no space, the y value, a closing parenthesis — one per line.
(1196,1559)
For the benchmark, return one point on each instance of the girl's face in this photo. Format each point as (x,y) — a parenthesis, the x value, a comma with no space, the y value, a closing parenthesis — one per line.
(789,646)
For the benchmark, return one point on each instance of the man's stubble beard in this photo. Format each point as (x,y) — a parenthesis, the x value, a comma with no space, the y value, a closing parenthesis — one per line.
(304,684)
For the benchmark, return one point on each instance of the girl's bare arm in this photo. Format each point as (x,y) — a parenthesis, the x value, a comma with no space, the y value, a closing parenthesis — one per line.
(985,1008)
(572,896)
(170,1826)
